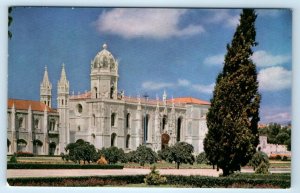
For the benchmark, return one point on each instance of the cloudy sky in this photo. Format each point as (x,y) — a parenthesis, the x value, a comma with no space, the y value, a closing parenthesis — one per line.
(177,50)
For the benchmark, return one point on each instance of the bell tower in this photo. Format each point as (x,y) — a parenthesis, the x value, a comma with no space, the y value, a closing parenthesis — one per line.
(104,75)
(45,89)
(63,109)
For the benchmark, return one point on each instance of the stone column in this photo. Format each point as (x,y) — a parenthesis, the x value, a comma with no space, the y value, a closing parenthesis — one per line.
(45,130)
(29,129)
(13,139)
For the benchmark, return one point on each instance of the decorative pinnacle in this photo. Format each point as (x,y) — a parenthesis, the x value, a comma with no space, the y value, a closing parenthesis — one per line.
(104,46)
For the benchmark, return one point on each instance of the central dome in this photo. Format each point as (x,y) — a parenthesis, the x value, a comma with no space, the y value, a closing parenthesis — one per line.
(104,60)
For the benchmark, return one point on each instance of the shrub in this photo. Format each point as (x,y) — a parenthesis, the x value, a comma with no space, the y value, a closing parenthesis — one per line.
(112,154)
(24,154)
(284,158)
(263,168)
(260,162)
(145,155)
(163,154)
(201,158)
(131,157)
(13,159)
(154,178)
(102,161)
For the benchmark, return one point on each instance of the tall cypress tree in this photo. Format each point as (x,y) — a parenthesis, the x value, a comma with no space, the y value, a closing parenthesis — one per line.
(234,113)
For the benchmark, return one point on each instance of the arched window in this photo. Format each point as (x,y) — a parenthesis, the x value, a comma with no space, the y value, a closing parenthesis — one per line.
(36,124)
(8,145)
(164,122)
(113,119)
(145,127)
(78,128)
(95,92)
(113,139)
(128,120)
(52,125)
(20,122)
(127,141)
(179,121)
(79,108)
(52,147)
(94,120)
(112,90)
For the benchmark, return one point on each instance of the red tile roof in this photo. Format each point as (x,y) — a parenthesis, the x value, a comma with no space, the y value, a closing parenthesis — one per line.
(189,100)
(24,105)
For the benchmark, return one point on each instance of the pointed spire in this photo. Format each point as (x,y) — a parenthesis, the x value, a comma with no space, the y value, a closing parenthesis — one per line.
(63,83)
(46,78)
(63,76)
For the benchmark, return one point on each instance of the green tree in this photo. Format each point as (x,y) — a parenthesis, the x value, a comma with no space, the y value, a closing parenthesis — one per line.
(273,131)
(130,156)
(201,158)
(113,154)
(80,151)
(145,155)
(282,137)
(256,162)
(181,152)
(163,154)
(234,113)
(10,20)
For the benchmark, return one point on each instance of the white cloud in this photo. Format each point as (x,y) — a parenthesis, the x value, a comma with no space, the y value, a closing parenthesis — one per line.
(150,85)
(153,23)
(275,114)
(214,60)
(183,83)
(265,59)
(207,89)
(274,79)
(223,16)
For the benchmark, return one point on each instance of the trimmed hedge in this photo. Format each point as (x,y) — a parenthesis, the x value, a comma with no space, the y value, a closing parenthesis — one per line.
(78,181)
(24,154)
(186,181)
(227,182)
(60,166)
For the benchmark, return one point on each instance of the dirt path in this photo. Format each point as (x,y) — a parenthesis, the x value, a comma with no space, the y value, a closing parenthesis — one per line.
(98,172)
(11,173)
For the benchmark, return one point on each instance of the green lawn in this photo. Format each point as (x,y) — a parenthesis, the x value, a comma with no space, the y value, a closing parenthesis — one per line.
(166,165)
(160,165)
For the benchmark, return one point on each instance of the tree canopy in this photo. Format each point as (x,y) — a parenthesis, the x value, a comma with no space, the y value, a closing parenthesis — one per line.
(234,113)
(81,151)
(145,155)
(181,152)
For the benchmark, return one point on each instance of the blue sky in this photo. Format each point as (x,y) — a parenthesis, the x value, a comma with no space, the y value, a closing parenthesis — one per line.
(177,50)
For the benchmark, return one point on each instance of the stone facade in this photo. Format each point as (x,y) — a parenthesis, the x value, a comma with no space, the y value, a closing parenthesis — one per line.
(106,117)
(272,149)
(32,127)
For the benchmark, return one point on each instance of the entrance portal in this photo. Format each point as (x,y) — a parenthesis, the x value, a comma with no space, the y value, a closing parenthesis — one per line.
(52,147)
(165,138)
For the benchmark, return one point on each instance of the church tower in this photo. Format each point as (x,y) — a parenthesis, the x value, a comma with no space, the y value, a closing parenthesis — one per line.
(104,75)
(45,89)
(62,108)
